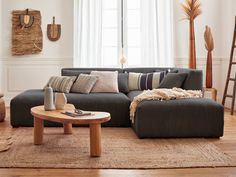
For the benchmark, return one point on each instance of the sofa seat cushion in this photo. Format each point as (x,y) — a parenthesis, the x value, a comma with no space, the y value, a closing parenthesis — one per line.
(133,94)
(199,117)
(115,103)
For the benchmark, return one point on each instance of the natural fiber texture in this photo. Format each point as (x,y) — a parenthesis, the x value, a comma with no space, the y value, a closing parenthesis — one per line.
(121,150)
(209,42)
(162,94)
(192,9)
(26,40)
(5,143)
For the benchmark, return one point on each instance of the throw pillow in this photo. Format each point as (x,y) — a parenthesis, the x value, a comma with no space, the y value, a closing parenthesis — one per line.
(107,82)
(84,83)
(172,80)
(61,83)
(145,81)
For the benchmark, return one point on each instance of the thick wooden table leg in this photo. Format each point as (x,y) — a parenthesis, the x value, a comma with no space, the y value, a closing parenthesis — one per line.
(67,128)
(95,140)
(38,131)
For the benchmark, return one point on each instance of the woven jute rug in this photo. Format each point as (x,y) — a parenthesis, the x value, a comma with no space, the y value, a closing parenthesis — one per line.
(121,150)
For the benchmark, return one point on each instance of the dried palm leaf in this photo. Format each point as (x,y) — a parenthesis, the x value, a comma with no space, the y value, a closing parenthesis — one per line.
(192,9)
(209,42)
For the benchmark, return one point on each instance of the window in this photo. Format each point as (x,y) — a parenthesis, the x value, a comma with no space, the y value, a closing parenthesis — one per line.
(133,30)
(141,27)
(112,13)
(110,37)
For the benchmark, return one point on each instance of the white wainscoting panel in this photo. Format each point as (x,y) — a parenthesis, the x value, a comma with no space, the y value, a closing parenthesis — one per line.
(29,77)
(22,74)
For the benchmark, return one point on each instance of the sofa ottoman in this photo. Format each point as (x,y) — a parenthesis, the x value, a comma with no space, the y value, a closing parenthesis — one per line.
(183,118)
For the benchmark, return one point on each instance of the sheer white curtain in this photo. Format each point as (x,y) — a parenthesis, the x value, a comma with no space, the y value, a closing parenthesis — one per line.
(155,33)
(87,32)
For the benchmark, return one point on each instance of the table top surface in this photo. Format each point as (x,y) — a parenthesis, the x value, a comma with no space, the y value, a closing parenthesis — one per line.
(57,116)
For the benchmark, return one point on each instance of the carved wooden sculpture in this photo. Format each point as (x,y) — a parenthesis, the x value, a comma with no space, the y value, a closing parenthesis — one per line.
(192,10)
(209,44)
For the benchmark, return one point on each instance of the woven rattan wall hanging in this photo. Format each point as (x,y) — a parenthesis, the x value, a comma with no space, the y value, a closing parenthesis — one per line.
(27,36)
(54,31)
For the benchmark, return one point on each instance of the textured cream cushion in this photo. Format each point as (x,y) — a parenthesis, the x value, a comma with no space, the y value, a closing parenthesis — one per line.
(107,81)
(61,83)
(84,83)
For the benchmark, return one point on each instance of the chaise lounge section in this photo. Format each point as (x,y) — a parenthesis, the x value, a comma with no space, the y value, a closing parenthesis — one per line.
(199,117)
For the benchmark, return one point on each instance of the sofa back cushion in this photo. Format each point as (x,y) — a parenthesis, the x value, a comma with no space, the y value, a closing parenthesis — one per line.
(123,82)
(107,82)
(122,77)
(78,71)
(194,80)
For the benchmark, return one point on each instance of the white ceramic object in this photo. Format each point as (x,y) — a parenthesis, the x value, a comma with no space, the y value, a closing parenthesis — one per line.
(60,101)
(48,99)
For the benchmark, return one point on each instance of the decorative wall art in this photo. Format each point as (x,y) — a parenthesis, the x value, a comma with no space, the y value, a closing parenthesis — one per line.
(27,36)
(54,31)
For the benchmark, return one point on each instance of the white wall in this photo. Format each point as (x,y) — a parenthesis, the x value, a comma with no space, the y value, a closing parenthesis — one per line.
(21,73)
(33,71)
(219,15)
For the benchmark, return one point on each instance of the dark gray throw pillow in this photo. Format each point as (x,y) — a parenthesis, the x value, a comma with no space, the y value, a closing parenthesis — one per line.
(172,80)
(123,82)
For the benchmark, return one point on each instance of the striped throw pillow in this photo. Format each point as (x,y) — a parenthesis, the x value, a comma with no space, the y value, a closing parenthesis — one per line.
(84,83)
(61,83)
(145,81)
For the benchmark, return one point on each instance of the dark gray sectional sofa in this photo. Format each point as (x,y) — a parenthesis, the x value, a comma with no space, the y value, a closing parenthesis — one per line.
(199,117)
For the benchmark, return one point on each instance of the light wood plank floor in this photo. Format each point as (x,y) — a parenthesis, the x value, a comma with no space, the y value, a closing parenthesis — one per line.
(227,144)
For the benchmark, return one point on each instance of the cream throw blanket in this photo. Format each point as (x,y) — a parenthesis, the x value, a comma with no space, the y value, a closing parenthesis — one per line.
(162,94)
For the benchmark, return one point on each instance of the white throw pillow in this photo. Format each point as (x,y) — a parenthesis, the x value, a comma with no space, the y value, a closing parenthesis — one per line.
(107,82)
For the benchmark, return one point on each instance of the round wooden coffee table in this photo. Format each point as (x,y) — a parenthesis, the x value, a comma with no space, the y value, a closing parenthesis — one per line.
(94,121)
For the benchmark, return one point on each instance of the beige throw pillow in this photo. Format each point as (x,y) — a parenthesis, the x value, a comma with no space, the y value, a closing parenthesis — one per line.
(107,82)
(84,83)
(61,83)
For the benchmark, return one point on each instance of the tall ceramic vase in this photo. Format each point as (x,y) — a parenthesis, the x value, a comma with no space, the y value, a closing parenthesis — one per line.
(60,101)
(48,99)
